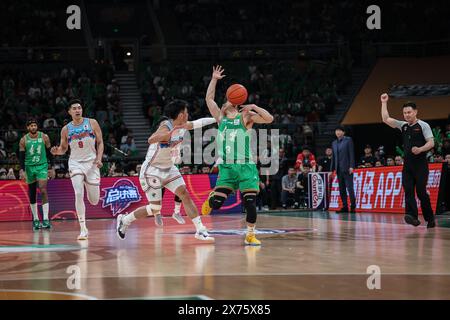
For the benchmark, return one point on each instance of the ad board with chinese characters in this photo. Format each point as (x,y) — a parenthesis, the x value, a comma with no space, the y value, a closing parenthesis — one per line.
(380,189)
(117,195)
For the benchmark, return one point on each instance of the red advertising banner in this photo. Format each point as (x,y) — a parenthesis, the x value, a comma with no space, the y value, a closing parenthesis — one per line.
(380,189)
(117,195)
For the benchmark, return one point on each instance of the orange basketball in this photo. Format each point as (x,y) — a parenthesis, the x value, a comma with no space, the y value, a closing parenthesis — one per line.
(237,94)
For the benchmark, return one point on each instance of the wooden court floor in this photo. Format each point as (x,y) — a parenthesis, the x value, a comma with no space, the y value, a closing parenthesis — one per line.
(304,255)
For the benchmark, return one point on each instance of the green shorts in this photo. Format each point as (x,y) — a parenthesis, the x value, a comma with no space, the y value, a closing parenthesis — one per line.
(244,177)
(38,172)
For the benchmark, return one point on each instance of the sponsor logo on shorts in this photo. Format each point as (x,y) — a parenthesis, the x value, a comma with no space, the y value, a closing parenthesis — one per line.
(120,196)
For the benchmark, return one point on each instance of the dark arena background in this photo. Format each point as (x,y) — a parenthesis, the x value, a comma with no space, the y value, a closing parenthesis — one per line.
(313,65)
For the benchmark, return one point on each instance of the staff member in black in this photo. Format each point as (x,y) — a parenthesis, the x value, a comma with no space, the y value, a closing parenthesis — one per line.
(417,140)
(343,162)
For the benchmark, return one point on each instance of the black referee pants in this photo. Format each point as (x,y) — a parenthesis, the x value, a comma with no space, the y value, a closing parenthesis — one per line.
(414,179)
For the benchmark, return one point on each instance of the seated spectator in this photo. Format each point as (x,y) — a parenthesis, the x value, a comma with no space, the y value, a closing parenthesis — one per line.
(288,189)
(390,162)
(50,123)
(3,174)
(398,161)
(60,173)
(378,163)
(305,157)
(302,186)
(129,147)
(325,162)
(368,160)
(205,169)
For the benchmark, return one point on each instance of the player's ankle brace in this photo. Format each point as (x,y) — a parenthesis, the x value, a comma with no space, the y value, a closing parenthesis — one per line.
(250,206)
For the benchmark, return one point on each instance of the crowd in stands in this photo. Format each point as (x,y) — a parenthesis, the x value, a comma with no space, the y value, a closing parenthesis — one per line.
(36,23)
(306,21)
(300,94)
(44,96)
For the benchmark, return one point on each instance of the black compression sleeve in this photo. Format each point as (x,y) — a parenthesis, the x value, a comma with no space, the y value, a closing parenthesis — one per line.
(22,159)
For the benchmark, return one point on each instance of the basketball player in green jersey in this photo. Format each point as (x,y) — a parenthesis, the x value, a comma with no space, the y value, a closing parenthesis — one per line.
(236,167)
(33,150)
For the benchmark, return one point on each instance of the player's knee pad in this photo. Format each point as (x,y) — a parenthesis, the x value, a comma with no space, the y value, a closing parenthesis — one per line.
(249,200)
(151,208)
(217,200)
(32,192)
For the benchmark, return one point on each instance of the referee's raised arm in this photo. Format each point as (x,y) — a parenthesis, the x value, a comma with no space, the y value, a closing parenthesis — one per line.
(393,123)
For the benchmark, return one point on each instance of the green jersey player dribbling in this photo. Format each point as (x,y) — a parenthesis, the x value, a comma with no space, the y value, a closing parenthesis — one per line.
(33,150)
(236,167)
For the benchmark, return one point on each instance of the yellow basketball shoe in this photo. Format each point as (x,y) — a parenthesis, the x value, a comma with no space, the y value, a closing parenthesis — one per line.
(250,240)
(206,208)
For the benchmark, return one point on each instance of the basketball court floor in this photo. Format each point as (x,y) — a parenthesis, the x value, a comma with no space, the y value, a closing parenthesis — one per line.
(304,255)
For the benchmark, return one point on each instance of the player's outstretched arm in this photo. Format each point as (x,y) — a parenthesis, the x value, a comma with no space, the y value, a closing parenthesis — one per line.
(393,123)
(211,92)
(99,141)
(63,145)
(255,114)
(199,123)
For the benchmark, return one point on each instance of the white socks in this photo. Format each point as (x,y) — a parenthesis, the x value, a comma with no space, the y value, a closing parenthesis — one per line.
(177,207)
(45,211)
(129,218)
(34,211)
(197,221)
(250,229)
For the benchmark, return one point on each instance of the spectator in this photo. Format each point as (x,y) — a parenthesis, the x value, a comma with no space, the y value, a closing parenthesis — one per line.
(378,163)
(325,162)
(368,160)
(50,123)
(390,162)
(398,161)
(305,157)
(205,169)
(288,188)
(275,179)
(11,175)
(302,186)
(129,147)
(3,174)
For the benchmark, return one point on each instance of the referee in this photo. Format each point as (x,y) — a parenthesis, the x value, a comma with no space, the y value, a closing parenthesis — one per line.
(417,140)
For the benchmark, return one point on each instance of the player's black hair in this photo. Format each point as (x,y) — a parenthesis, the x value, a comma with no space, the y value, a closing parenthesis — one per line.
(31,121)
(340,128)
(74,101)
(174,108)
(410,104)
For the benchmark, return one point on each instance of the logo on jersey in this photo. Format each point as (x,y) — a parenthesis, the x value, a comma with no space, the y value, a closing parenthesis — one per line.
(120,196)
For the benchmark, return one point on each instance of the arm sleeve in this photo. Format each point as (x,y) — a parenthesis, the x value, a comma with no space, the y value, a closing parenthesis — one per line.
(22,159)
(426,129)
(199,123)
(299,161)
(50,157)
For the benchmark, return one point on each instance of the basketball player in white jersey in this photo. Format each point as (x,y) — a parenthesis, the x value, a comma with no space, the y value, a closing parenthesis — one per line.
(83,135)
(159,171)
(176,158)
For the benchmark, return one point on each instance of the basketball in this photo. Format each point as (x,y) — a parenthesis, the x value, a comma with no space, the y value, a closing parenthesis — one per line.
(237,94)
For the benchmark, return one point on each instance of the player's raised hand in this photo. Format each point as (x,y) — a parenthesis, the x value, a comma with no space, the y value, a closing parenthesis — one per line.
(384,97)
(218,73)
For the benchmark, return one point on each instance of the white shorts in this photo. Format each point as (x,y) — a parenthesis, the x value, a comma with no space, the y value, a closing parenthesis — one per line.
(153,179)
(88,169)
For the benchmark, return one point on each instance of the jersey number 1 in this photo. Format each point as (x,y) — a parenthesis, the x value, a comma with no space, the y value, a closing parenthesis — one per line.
(80,144)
